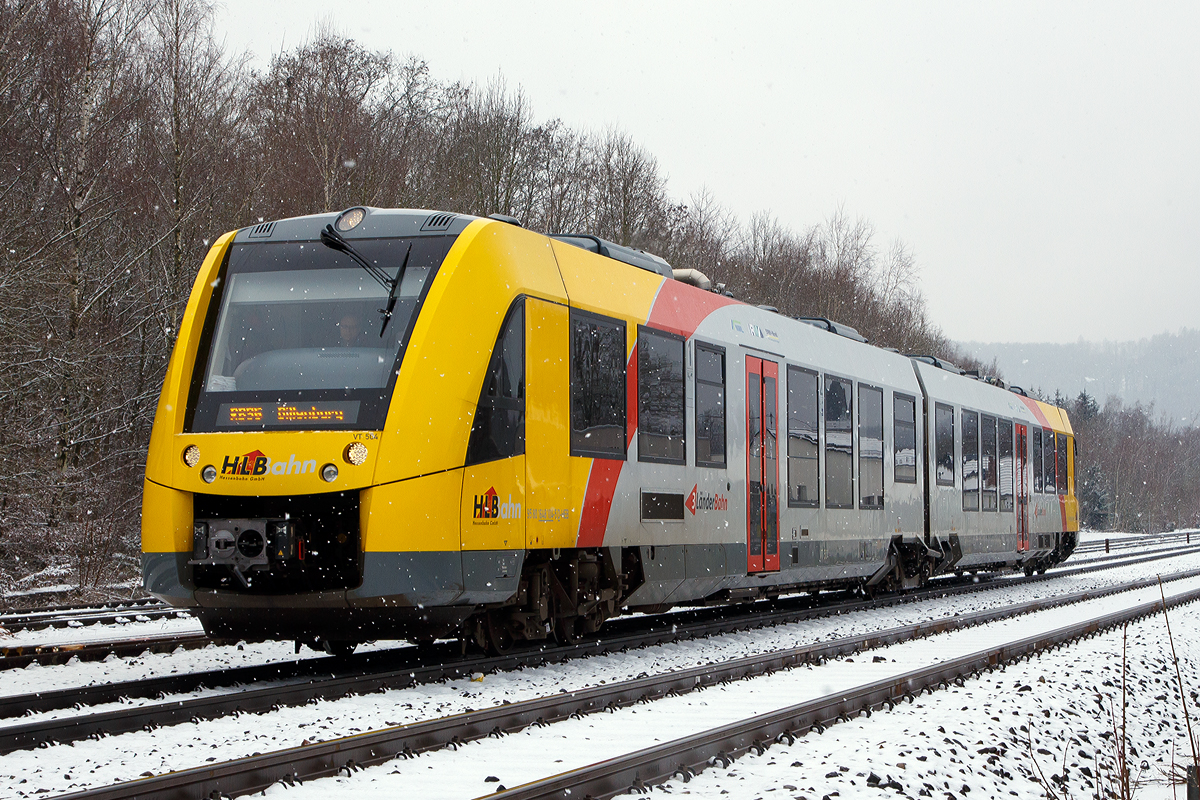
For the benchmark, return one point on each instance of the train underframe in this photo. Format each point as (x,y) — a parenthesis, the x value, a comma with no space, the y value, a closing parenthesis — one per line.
(560,595)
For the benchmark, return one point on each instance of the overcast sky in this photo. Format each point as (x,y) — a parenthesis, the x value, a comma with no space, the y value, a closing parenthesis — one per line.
(1042,160)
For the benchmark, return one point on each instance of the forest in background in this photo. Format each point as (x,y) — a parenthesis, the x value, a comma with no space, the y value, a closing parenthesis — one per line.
(1162,372)
(130,138)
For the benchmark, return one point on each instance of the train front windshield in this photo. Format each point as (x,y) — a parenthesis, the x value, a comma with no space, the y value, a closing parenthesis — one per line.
(297,340)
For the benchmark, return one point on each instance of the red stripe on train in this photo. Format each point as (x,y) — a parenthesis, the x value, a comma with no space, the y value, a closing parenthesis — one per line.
(602,479)
(680,308)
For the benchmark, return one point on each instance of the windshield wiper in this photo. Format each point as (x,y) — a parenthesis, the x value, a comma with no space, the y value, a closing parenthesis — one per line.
(335,241)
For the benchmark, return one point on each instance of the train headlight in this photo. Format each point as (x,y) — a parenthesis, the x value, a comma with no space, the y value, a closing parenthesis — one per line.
(329,473)
(355,453)
(209,473)
(191,455)
(350,218)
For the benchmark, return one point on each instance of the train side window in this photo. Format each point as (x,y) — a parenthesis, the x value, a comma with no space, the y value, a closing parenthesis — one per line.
(803,432)
(943,420)
(1006,465)
(970,461)
(661,410)
(1036,458)
(498,430)
(839,443)
(710,405)
(904,437)
(870,447)
(1048,447)
(1048,462)
(987,463)
(597,386)
(1074,450)
(1061,462)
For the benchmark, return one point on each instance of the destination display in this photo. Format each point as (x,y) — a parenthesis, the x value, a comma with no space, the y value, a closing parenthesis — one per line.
(269,415)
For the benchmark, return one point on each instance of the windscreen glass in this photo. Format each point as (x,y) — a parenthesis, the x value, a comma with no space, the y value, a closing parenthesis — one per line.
(297,339)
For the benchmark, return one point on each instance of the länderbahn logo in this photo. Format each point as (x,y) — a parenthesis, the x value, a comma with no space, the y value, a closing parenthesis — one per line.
(703,501)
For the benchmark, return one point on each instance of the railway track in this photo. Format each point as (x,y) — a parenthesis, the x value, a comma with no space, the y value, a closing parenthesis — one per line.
(86,616)
(683,756)
(1117,543)
(12,657)
(299,682)
(689,755)
(57,653)
(145,609)
(140,609)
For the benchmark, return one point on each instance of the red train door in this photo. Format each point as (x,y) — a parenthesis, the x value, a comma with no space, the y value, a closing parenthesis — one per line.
(1022,480)
(762,466)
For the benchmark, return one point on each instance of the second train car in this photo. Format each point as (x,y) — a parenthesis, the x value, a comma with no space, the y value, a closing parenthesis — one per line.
(408,424)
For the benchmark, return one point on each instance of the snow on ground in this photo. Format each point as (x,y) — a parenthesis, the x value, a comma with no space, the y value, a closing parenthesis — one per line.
(539,752)
(124,757)
(1007,733)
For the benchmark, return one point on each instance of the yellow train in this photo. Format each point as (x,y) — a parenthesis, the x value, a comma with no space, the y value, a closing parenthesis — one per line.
(409,424)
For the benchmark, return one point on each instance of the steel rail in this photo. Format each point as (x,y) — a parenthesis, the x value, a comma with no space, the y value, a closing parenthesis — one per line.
(330,679)
(347,754)
(691,754)
(51,610)
(15,656)
(83,619)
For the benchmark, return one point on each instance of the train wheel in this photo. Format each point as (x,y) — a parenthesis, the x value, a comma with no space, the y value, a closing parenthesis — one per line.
(499,637)
(568,630)
(338,649)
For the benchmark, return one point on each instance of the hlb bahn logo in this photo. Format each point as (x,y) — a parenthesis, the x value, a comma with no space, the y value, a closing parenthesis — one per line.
(257,464)
(704,501)
(488,507)
(254,463)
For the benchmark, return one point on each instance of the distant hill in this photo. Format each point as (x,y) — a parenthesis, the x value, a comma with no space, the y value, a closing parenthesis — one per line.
(1163,370)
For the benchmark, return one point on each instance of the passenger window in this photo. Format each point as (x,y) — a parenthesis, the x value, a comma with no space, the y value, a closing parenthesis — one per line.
(904,436)
(943,420)
(803,444)
(1061,462)
(1036,458)
(660,397)
(1006,465)
(1074,450)
(870,447)
(839,443)
(597,386)
(1048,462)
(498,430)
(970,461)
(710,406)
(987,462)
